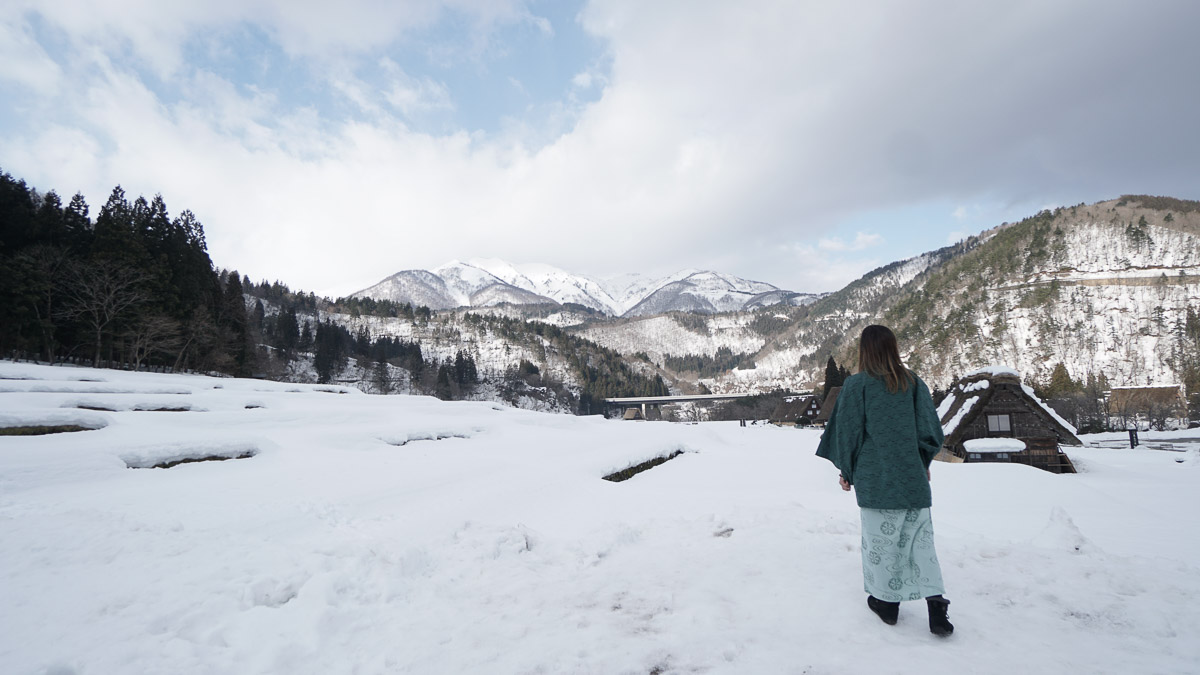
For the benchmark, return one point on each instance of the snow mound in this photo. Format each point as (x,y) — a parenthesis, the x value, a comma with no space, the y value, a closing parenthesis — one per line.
(147,458)
(994,445)
(1061,533)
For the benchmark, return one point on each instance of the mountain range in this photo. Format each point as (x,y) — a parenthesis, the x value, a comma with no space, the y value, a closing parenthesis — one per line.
(1111,288)
(485,282)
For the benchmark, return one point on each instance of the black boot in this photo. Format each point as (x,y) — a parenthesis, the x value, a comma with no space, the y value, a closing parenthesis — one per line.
(888,611)
(939,623)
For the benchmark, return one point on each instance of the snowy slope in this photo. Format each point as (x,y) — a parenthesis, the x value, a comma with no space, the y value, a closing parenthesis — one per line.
(1109,297)
(659,335)
(551,282)
(373,534)
(1103,288)
(416,287)
(704,292)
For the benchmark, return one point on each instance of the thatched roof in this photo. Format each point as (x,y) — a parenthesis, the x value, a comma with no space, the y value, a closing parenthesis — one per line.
(789,411)
(969,398)
(827,405)
(793,410)
(1123,399)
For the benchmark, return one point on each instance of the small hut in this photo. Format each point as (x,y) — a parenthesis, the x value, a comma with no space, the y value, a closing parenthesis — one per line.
(990,416)
(827,406)
(789,413)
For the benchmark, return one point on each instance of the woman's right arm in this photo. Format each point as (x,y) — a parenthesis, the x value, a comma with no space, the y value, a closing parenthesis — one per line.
(843,434)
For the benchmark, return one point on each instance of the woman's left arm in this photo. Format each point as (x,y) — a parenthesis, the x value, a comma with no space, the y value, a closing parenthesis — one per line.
(929,427)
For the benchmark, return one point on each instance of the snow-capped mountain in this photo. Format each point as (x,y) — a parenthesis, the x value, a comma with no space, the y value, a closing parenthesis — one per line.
(552,282)
(703,292)
(417,287)
(483,282)
(454,284)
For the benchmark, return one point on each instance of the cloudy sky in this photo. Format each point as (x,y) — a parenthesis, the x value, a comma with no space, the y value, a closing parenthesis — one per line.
(328,145)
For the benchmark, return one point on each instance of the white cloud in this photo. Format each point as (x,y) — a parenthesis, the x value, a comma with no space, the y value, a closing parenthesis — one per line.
(718,132)
(412,95)
(582,80)
(862,240)
(23,61)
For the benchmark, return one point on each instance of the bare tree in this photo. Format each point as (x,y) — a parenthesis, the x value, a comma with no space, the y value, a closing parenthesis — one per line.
(201,339)
(1159,413)
(99,293)
(156,334)
(48,264)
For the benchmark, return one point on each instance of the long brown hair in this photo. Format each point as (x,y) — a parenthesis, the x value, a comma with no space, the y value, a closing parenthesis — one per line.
(879,356)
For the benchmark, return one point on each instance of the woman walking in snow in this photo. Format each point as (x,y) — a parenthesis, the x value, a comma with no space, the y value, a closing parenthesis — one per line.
(882,435)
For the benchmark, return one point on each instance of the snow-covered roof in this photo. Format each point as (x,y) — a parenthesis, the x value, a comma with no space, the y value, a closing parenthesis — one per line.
(1049,410)
(962,403)
(994,445)
(968,403)
(994,370)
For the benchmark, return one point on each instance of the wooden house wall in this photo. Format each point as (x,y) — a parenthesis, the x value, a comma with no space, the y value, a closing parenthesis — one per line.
(1023,419)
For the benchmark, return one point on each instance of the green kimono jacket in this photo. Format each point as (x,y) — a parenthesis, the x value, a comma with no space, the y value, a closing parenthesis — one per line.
(883,442)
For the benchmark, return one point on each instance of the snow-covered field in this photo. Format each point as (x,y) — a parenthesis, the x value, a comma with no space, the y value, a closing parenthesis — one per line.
(372,534)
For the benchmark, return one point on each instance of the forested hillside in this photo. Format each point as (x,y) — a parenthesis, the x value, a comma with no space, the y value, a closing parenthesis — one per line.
(134,286)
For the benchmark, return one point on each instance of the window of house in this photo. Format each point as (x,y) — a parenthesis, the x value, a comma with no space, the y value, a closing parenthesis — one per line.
(1001,455)
(999,424)
(974,455)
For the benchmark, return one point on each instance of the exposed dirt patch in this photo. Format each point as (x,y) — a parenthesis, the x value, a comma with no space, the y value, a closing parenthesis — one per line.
(630,472)
(42,430)
(191,460)
(177,409)
(424,437)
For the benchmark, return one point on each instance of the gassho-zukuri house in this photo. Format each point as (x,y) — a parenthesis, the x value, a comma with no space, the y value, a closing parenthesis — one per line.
(990,416)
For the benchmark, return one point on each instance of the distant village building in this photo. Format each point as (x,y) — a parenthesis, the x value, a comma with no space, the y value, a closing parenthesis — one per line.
(795,411)
(827,406)
(990,416)
(1155,405)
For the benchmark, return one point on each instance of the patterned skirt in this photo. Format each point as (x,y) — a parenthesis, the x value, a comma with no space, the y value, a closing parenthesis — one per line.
(898,558)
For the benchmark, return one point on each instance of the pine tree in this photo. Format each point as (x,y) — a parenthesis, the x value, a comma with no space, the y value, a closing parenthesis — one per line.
(236,321)
(383,378)
(834,377)
(328,353)
(1061,385)
(443,389)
